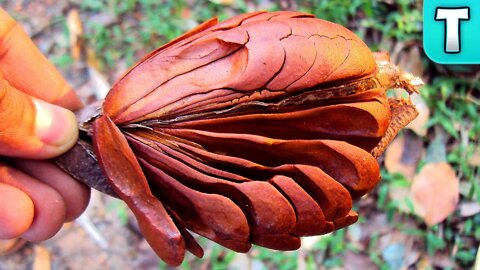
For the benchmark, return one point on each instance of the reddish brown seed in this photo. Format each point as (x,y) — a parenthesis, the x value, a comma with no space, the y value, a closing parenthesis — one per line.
(256,130)
(129,183)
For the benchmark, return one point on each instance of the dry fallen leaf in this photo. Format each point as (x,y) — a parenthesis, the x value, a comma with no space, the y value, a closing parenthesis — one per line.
(403,196)
(403,155)
(42,258)
(223,2)
(468,209)
(424,263)
(477,260)
(408,58)
(75,29)
(465,188)
(419,125)
(308,243)
(474,160)
(358,260)
(437,151)
(443,260)
(96,87)
(435,192)
(398,249)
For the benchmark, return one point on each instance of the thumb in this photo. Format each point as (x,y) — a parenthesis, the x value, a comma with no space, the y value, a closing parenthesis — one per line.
(32,128)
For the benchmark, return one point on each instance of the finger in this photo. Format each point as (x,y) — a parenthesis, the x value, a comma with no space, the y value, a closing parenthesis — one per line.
(75,194)
(33,128)
(16,212)
(49,207)
(28,70)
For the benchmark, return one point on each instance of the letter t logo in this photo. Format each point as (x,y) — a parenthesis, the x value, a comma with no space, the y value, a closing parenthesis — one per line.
(452,18)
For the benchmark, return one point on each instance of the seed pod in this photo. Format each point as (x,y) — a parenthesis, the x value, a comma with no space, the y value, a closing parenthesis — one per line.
(257,130)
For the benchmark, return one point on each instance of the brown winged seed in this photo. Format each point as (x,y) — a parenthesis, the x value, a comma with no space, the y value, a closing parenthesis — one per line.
(257,130)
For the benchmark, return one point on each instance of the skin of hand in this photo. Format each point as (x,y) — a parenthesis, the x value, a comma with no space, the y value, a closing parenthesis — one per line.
(36,123)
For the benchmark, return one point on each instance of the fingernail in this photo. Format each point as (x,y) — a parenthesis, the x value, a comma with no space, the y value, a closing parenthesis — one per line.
(70,100)
(55,125)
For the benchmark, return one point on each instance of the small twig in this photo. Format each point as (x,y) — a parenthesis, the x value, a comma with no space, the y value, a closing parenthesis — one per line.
(86,223)
(467,98)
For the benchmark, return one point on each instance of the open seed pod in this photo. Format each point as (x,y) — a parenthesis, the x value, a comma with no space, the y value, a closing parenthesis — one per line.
(257,130)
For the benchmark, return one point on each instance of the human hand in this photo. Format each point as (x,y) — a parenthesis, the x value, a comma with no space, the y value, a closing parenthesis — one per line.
(36,197)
